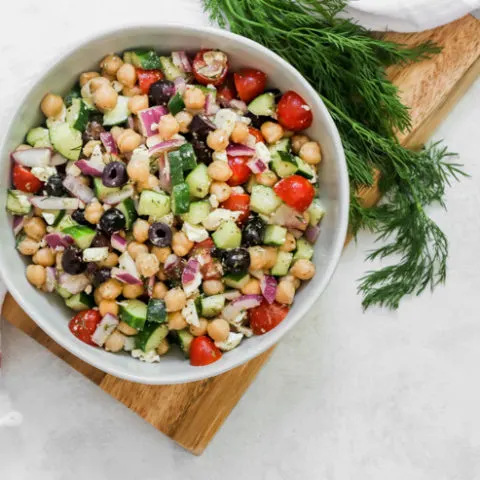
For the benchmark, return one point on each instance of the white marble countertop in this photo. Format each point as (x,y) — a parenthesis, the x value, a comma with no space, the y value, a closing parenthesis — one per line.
(346,395)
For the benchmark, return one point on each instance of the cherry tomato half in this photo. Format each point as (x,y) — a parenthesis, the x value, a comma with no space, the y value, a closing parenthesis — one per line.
(249,83)
(241,171)
(293,112)
(226,92)
(203,352)
(210,67)
(295,191)
(238,202)
(24,180)
(147,77)
(83,325)
(265,317)
(257,134)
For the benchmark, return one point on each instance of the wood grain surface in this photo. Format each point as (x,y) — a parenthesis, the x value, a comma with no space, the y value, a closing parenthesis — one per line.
(192,413)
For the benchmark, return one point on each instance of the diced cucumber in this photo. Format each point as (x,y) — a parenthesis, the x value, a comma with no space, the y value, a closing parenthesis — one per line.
(75,92)
(263,105)
(236,280)
(283,145)
(199,181)
(81,235)
(275,235)
(197,212)
(283,164)
(119,114)
(66,140)
(227,235)
(304,250)
(264,200)
(53,217)
(151,336)
(284,259)
(212,306)
(80,301)
(169,69)
(77,114)
(143,58)
(154,204)
(65,222)
(316,211)
(133,312)
(184,338)
(127,207)
(176,104)
(188,156)
(180,198)
(252,181)
(18,203)
(101,191)
(156,311)
(20,238)
(62,292)
(176,167)
(38,137)
(304,169)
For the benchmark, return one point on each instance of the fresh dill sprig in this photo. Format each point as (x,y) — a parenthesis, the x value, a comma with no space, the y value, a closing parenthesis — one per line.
(346,64)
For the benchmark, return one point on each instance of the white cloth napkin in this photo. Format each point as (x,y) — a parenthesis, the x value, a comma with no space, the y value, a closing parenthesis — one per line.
(408,15)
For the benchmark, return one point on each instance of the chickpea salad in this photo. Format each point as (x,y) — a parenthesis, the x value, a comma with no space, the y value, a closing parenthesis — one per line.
(169,201)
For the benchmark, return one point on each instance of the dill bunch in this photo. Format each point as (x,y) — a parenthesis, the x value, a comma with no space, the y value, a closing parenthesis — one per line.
(346,65)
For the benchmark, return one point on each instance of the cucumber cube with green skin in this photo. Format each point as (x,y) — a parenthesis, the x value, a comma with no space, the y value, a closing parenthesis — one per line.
(80,301)
(151,336)
(188,156)
(101,191)
(170,70)
(176,104)
(143,58)
(176,167)
(38,137)
(304,169)
(184,339)
(62,292)
(227,235)
(153,204)
(199,181)
(156,311)
(304,250)
(133,312)
(263,105)
(264,200)
(316,211)
(75,92)
(127,207)
(236,280)
(275,235)
(18,203)
(284,260)
(212,305)
(283,145)
(66,222)
(119,114)
(283,164)
(77,114)
(197,212)
(66,140)
(82,235)
(180,198)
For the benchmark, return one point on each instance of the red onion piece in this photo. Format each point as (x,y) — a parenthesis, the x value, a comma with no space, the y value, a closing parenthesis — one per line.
(232,294)
(240,304)
(296,233)
(56,239)
(268,285)
(180,85)
(74,283)
(127,263)
(190,272)
(181,60)
(171,260)
(149,119)
(125,277)
(33,157)
(17,225)
(237,149)
(166,146)
(131,122)
(90,167)
(238,105)
(118,243)
(104,329)
(289,217)
(51,279)
(312,233)
(78,189)
(55,203)
(211,108)
(108,142)
(256,165)
(164,173)
(58,159)
(150,285)
(117,197)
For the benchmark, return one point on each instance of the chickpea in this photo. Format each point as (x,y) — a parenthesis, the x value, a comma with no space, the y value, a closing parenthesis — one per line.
(140,230)
(164,347)
(85,77)
(105,98)
(271,131)
(159,290)
(36,275)
(303,269)
(168,126)
(97,296)
(132,291)
(201,330)
(35,228)
(93,212)
(28,246)
(108,306)
(218,329)
(149,184)
(306,217)
(218,140)
(311,153)
(162,253)
(257,258)
(221,190)
(116,132)
(128,141)
(267,178)
(110,261)
(252,287)
(181,245)
(219,170)
(212,287)
(290,243)
(137,103)
(161,274)
(298,141)
(290,278)
(138,169)
(126,329)
(131,91)
(175,299)
(194,98)
(240,132)
(115,342)
(110,64)
(184,120)
(127,75)
(285,292)
(110,289)
(89,147)
(135,249)
(270,257)
(44,257)
(52,105)
(176,321)
(147,264)
(98,82)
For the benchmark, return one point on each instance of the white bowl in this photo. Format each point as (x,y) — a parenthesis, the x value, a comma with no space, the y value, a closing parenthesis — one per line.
(48,310)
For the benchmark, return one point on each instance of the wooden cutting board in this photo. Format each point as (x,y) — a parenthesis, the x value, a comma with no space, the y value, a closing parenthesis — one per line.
(191,414)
